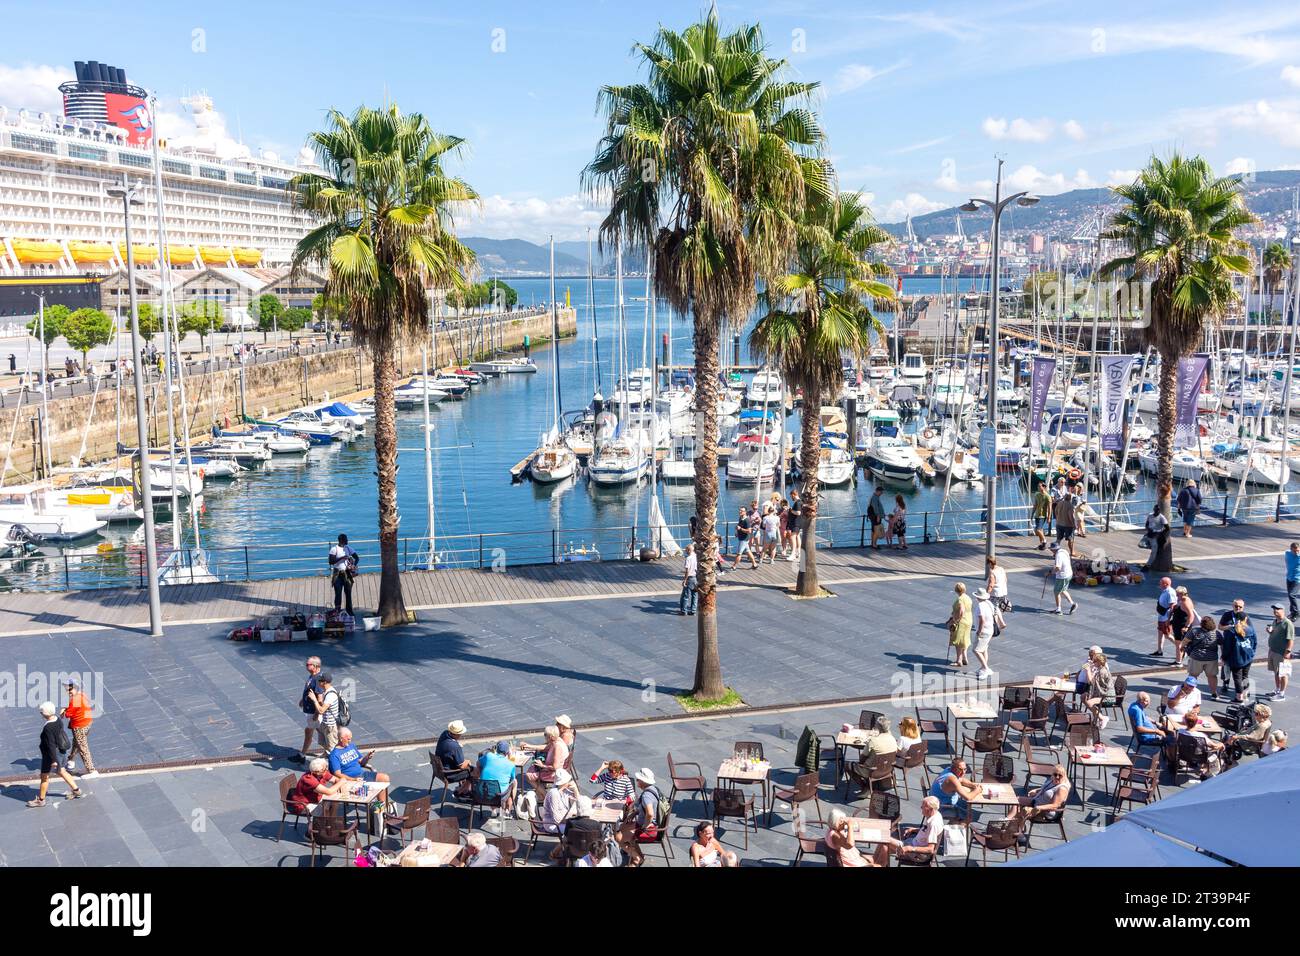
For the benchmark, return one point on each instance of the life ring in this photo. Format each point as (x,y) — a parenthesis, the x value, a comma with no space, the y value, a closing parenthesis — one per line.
(927,433)
(1075,474)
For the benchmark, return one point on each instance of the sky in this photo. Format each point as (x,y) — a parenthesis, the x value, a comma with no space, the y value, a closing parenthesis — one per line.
(918,101)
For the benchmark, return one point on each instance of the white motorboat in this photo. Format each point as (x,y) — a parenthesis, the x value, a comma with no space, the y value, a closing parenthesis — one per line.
(653,429)
(914,371)
(36,510)
(636,390)
(835,465)
(244,451)
(518,365)
(107,504)
(1186,466)
(1256,467)
(889,455)
(753,459)
(414,392)
(679,465)
(579,431)
(951,395)
(219,467)
(765,389)
(963,463)
(618,462)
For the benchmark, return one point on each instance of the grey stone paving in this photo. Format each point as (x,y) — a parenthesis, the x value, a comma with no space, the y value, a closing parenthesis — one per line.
(195,695)
(228,815)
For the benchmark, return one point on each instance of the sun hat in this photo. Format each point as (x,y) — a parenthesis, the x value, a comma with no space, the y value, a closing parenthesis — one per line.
(563,776)
(981,595)
(564,721)
(456,727)
(646,776)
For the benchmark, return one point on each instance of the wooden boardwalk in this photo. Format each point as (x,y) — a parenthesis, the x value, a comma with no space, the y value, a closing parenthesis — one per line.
(228,602)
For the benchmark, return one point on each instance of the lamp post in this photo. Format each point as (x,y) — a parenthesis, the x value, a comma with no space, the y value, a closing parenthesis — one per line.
(128,195)
(997,204)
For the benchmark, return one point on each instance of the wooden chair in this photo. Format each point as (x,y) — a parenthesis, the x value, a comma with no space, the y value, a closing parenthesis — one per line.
(537,832)
(872,772)
(808,845)
(326,830)
(1046,818)
(998,768)
(886,806)
(804,789)
(1150,764)
(729,802)
(508,846)
(1070,719)
(832,752)
(442,830)
(867,719)
(913,759)
(998,835)
(413,816)
(1121,691)
(1133,786)
(1016,698)
(287,784)
(1034,724)
(576,843)
(665,844)
(935,723)
(989,738)
(440,776)
(747,750)
(486,797)
(687,783)
(1187,754)
(1136,741)
(1040,762)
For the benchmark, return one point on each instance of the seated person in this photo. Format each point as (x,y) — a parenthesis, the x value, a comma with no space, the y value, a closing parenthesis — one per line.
(1213,748)
(455,764)
(1045,799)
(313,786)
(707,851)
(839,841)
(346,761)
(1147,731)
(556,755)
(597,855)
(580,829)
(557,807)
(496,773)
(1084,678)
(1183,699)
(919,844)
(909,734)
(644,825)
(952,787)
(1101,690)
(478,852)
(614,782)
(883,742)
(1252,741)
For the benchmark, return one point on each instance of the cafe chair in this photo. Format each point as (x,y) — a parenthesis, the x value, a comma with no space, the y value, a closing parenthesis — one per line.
(913,759)
(1047,818)
(687,782)
(508,846)
(1133,786)
(998,768)
(867,719)
(932,721)
(487,802)
(1034,724)
(998,835)
(874,771)
(728,802)
(413,816)
(449,783)
(808,845)
(287,784)
(324,831)
(1040,762)
(886,806)
(1016,698)
(442,830)
(804,790)
(989,738)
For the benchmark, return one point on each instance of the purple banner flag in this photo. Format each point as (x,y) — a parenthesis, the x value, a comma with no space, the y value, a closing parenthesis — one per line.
(1113,394)
(1191,372)
(1039,385)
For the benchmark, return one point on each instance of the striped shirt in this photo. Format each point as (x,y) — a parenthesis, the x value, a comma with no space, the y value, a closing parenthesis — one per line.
(616,788)
(330,716)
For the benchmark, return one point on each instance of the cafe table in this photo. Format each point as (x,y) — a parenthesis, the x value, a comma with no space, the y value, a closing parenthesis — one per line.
(992,795)
(1084,757)
(746,772)
(363,795)
(963,711)
(428,853)
(609,812)
(1055,684)
(868,830)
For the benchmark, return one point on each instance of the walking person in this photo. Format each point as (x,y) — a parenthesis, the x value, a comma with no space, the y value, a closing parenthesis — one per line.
(1293,579)
(793,519)
(876,515)
(771,534)
(309,702)
(898,522)
(1063,512)
(997,584)
(1157,532)
(1281,639)
(988,624)
(1165,602)
(1042,515)
(959,624)
(1062,571)
(343,570)
(54,740)
(690,582)
(1237,644)
(1201,651)
(78,714)
(744,540)
(327,707)
(1189,505)
(1184,616)
(1080,511)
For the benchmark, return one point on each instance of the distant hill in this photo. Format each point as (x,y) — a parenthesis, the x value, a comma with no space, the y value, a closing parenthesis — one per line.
(1064,215)
(518,257)
(633,259)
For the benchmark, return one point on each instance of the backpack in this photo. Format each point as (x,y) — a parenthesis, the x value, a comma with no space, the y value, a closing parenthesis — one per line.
(662,809)
(345,712)
(614,852)
(61,740)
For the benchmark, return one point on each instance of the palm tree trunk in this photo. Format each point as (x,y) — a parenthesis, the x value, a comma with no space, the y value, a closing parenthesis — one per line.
(809,458)
(1162,557)
(392,609)
(708,666)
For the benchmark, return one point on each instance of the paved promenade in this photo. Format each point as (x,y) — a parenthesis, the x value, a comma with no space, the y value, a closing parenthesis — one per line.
(615,650)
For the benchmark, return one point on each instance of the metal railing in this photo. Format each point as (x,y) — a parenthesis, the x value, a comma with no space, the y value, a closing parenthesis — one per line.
(100,567)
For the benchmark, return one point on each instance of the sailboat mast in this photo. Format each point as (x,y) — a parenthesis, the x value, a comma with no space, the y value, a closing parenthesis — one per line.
(555,348)
(166,302)
(591,305)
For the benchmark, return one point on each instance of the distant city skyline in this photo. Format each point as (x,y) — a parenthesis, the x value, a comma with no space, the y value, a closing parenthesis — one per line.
(915,103)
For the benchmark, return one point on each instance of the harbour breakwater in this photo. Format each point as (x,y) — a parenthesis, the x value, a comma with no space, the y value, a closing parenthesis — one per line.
(88,426)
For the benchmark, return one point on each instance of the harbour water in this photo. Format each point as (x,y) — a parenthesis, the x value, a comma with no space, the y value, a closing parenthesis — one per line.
(277,519)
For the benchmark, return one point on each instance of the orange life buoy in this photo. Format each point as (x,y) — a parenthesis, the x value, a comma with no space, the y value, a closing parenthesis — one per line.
(1075,474)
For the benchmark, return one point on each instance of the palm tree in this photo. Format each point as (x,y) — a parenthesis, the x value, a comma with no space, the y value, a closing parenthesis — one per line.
(708,163)
(1178,226)
(384,203)
(1277,263)
(817,312)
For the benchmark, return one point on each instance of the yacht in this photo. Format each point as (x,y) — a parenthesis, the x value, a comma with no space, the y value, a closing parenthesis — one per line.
(619,462)
(950,396)
(636,390)
(553,462)
(889,455)
(963,463)
(35,509)
(679,465)
(1186,466)
(835,464)
(765,389)
(753,459)
(914,371)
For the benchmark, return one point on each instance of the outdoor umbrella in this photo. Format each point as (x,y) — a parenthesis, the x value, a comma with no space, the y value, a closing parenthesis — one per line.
(1123,844)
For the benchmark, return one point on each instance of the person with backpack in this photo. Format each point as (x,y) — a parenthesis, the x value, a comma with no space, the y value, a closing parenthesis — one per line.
(79,717)
(1063,512)
(343,571)
(648,818)
(743,538)
(54,744)
(311,714)
(1189,505)
(332,710)
(1237,644)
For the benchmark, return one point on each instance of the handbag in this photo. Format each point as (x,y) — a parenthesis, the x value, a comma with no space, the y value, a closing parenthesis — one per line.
(1284,668)
(1145,542)
(954,840)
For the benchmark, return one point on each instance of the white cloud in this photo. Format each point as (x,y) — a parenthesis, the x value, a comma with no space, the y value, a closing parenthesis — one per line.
(1121,177)
(532,217)
(1019,129)
(1074,130)
(203,129)
(1291,74)
(1239,165)
(1278,120)
(912,204)
(856,75)
(33,87)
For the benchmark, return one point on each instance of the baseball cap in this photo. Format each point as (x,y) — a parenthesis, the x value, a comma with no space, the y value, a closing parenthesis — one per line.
(1190,681)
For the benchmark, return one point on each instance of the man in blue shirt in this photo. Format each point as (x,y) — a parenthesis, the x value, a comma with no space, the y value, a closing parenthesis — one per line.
(346,761)
(496,772)
(1293,579)
(1147,732)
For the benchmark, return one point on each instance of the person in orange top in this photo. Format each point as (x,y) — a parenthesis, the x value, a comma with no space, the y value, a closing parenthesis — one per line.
(79,720)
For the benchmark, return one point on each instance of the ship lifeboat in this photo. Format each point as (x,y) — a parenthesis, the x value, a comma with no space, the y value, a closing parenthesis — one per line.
(214,255)
(144,255)
(182,255)
(93,252)
(247,257)
(37,250)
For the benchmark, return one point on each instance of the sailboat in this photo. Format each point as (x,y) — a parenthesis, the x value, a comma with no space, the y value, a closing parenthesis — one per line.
(554,460)
(625,457)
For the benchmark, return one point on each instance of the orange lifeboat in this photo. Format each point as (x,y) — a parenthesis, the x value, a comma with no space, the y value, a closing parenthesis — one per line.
(247,257)
(37,250)
(144,255)
(92,252)
(214,255)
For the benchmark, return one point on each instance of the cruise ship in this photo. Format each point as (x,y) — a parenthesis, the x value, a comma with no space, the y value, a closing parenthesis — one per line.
(57,219)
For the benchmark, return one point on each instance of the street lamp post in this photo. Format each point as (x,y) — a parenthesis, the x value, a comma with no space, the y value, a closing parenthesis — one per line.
(128,195)
(997,204)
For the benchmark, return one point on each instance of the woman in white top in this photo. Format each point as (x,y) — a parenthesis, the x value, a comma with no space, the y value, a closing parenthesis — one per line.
(997,584)
(707,851)
(909,734)
(559,803)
